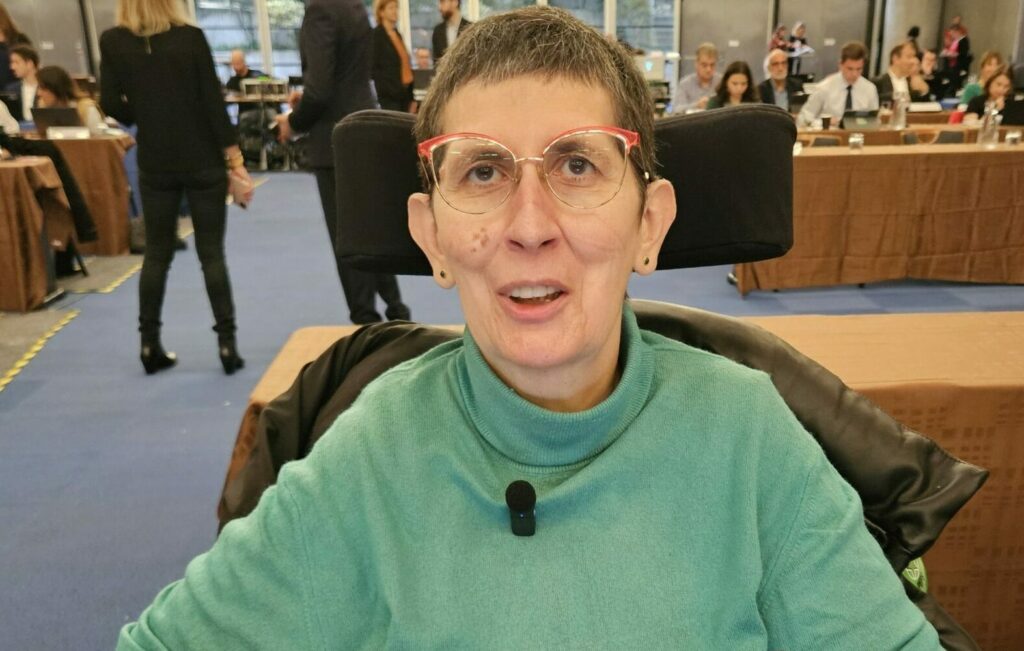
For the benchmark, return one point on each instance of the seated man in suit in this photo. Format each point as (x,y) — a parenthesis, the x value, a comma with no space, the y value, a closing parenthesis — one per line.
(845,90)
(779,89)
(24,64)
(451,25)
(902,62)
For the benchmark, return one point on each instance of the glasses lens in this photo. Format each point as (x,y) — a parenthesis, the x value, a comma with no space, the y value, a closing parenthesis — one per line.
(585,170)
(474,175)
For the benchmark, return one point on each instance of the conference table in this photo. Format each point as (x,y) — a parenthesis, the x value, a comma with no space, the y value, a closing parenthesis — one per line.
(957,378)
(937,212)
(925,134)
(34,215)
(97,164)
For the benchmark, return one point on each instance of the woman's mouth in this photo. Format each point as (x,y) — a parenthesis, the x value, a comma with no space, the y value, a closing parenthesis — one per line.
(534,294)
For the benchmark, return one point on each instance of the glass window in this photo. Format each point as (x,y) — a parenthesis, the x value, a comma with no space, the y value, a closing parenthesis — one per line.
(229,25)
(490,7)
(589,11)
(285,20)
(645,24)
(423,15)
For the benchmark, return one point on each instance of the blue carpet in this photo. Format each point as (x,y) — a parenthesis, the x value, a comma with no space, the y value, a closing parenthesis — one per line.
(109,479)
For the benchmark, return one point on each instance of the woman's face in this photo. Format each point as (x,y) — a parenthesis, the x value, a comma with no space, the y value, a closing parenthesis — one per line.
(989,67)
(390,13)
(737,85)
(999,87)
(578,260)
(46,97)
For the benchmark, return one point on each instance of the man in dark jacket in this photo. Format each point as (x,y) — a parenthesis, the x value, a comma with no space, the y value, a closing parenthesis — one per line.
(780,89)
(334,43)
(451,25)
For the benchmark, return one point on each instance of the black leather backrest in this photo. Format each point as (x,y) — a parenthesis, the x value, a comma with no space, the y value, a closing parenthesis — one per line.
(732,170)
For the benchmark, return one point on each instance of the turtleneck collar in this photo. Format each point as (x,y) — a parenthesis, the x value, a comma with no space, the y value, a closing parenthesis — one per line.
(532,436)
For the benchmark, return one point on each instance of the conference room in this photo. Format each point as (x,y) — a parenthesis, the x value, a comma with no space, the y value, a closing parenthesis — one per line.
(801,428)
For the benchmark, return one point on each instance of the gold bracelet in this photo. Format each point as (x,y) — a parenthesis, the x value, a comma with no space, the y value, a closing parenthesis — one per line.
(235,161)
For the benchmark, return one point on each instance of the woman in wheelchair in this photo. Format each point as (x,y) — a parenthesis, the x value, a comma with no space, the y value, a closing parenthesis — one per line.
(678,501)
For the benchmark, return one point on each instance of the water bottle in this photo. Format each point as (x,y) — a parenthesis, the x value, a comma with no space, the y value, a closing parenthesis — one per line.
(988,137)
(900,103)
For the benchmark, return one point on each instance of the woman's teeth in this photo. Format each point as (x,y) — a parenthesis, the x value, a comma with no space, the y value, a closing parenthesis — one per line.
(534,294)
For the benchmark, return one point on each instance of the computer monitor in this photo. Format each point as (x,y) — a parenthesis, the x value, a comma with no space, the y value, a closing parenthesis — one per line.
(651,65)
(421,78)
(55,117)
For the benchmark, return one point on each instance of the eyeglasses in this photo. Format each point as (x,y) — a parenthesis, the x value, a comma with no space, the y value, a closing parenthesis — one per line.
(584,168)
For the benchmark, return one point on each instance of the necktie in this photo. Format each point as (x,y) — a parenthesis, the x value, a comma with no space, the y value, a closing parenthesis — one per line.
(849,98)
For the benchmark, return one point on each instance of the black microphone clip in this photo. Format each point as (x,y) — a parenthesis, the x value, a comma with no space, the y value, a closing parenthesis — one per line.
(521,500)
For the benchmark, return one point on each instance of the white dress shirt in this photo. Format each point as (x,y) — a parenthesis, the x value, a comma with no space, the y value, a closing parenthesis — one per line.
(830,98)
(28,99)
(899,85)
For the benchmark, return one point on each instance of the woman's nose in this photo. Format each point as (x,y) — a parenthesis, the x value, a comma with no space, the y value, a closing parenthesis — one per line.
(532,224)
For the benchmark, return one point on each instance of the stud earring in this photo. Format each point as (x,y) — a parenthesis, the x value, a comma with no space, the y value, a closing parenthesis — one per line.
(442,274)
(647,261)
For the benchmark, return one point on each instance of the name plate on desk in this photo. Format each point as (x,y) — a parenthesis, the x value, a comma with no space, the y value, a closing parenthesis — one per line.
(67,133)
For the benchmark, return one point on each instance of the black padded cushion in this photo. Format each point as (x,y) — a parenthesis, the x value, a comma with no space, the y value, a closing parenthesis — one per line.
(732,170)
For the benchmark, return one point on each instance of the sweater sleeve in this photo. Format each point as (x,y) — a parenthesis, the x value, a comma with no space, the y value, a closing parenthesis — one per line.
(827,584)
(113,99)
(251,590)
(210,94)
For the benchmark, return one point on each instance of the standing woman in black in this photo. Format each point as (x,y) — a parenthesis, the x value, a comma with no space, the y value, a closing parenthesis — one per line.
(392,73)
(157,72)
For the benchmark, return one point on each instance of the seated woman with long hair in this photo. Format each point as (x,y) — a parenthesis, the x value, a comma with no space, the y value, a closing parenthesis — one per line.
(58,90)
(737,87)
(998,90)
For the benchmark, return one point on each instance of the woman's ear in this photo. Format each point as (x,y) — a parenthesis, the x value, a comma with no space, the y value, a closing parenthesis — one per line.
(423,229)
(659,213)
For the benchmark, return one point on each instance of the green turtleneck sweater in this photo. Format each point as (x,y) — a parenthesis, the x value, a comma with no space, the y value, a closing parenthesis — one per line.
(689,510)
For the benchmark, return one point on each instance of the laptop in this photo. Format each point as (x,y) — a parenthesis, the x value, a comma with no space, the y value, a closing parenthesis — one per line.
(861,120)
(421,78)
(55,117)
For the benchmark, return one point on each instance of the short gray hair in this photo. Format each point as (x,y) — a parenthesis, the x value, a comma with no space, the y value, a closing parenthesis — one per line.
(550,43)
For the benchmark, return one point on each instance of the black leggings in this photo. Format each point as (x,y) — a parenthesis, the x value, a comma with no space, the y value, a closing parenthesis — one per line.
(161,199)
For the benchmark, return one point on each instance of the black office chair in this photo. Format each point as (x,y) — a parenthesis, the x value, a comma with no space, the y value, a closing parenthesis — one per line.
(732,170)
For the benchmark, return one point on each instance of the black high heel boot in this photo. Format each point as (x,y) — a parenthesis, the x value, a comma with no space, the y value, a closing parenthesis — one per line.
(229,358)
(154,358)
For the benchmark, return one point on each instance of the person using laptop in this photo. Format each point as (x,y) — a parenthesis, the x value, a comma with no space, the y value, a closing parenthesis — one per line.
(842,91)
(24,64)
(58,90)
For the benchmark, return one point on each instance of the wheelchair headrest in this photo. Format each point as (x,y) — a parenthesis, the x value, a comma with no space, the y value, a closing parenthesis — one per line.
(732,170)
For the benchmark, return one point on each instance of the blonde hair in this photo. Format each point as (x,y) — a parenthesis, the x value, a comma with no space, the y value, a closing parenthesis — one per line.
(378,8)
(148,17)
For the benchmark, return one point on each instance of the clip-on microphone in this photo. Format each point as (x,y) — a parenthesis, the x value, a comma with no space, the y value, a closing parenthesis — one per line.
(521,498)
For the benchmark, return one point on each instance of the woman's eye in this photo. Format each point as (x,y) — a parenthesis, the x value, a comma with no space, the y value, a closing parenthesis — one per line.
(577,166)
(482,174)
